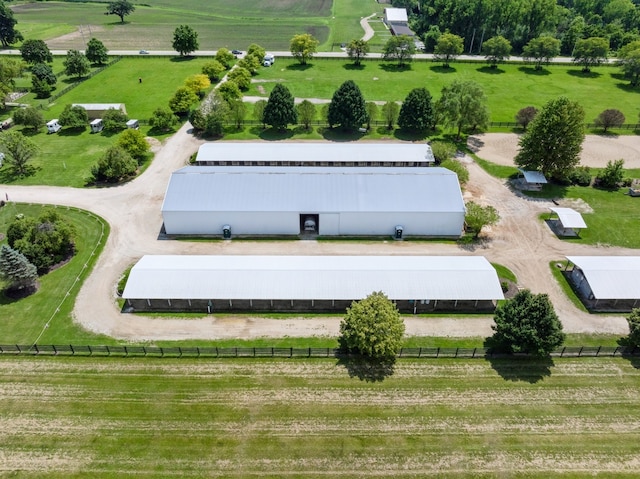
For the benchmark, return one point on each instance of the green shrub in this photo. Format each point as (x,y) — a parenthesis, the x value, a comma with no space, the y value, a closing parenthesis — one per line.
(580,176)
(442,151)
(458,168)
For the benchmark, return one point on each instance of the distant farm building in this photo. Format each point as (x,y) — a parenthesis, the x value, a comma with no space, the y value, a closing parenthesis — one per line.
(606,283)
(567,221)
(213,284)
(351,201)
(97,110)
(313,154)
(398,21)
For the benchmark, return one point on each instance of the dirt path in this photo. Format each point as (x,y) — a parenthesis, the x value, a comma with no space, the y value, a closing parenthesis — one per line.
(519,241)
(368,31)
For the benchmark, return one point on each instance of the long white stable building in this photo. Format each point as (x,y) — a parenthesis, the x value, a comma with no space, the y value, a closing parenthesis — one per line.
(228,153)
(309,283)
(606,283)
(351,201)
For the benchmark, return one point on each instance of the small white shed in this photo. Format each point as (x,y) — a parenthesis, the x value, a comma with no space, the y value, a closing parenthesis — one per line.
(133,124)
(96,125)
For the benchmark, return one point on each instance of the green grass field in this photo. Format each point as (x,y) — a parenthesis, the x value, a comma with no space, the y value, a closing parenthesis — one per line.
(508,89)
(150,418)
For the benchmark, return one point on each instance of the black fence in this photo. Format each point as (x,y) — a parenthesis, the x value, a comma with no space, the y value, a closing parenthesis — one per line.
(266,352)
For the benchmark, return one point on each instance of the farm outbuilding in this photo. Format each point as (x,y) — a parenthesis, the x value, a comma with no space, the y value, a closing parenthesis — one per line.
(398,21)
(567,221)
(531,180)
(228,153)
(97,110)
(352,201)
(606,283)
(417,284)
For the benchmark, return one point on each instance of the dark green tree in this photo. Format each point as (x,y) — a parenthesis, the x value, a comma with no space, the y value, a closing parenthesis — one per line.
(116,164)
(526,324)
(163,119)
(589,52)
(306,113)
(120,8)
(229,91)
(41,88)
(347,108)
(8,33)
(73,117)
(280,110)
(554,139)
(9,70)
(185,40)
(357,50)
(30,117)
(629,60)
(448,47)
(35,51)
(76,64)
(225,57)
(463,104)
(96,52)
(256,51)
(241,77)
(633,340)
(496,50)
(541,51)
(43,72)
(251,63)
(18,150)
(17,270)
(416,112)
(400,49)
(114,120)
(477,217)
(373,328)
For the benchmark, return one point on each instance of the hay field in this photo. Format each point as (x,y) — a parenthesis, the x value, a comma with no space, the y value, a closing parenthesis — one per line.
(119,418)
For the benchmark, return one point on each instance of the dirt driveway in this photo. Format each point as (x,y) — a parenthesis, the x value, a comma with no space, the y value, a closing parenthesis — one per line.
(519,241)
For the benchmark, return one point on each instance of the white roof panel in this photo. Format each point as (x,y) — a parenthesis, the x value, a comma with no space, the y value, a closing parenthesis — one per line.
(313,189)
(533,176)
(99,106)
(611,277)
(314,152)
(396,14)
(569,218)
(313,277)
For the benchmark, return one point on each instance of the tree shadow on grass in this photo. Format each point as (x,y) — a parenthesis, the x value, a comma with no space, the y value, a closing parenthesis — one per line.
(366,369)
(410,135)
(628,87)
(513,368)
(394,67)
(337,134)
(182,58)
(353,66)
(72,131)
(631,352)
(273,134)
(8,175)
(581,74)
(490,70)
(442,69)
(299,67)
(532,71)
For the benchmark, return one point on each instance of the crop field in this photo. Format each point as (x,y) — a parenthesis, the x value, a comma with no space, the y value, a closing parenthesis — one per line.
(236,24)
(150,418)
(508,88)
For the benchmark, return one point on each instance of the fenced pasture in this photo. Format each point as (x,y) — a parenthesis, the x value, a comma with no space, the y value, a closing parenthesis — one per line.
(236,24)
(144,418)
(508,88)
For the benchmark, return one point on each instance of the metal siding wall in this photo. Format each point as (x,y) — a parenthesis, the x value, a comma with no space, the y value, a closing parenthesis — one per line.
(415,224)
(329,224)
(254,223)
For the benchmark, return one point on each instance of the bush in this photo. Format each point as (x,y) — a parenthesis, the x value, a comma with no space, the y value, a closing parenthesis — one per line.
(611,176)
(458,168)
(163,120)
(242,78)
(115,165)
(134,143)
(442,151)
(114,120)
(214,70)
(580,176)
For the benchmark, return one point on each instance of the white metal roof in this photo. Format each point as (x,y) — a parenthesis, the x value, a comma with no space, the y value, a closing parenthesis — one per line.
(313,189)
(314,152)
(396,14)
(533,176)
(611,277)
(313,277)
(569,218)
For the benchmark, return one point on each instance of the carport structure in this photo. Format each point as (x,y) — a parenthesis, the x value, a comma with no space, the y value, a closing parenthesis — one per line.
(531,180)
(567,221)
(230,283)
(606,283)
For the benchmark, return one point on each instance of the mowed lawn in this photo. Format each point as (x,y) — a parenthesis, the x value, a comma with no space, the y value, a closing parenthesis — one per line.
(23,321)
(236,24)
(508,89)
(150,418)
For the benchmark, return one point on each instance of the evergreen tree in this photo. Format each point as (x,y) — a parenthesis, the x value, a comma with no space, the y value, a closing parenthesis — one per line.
(416,112)
(554,139)
(280,110)
(347,108)
(43,72)
(16,269)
